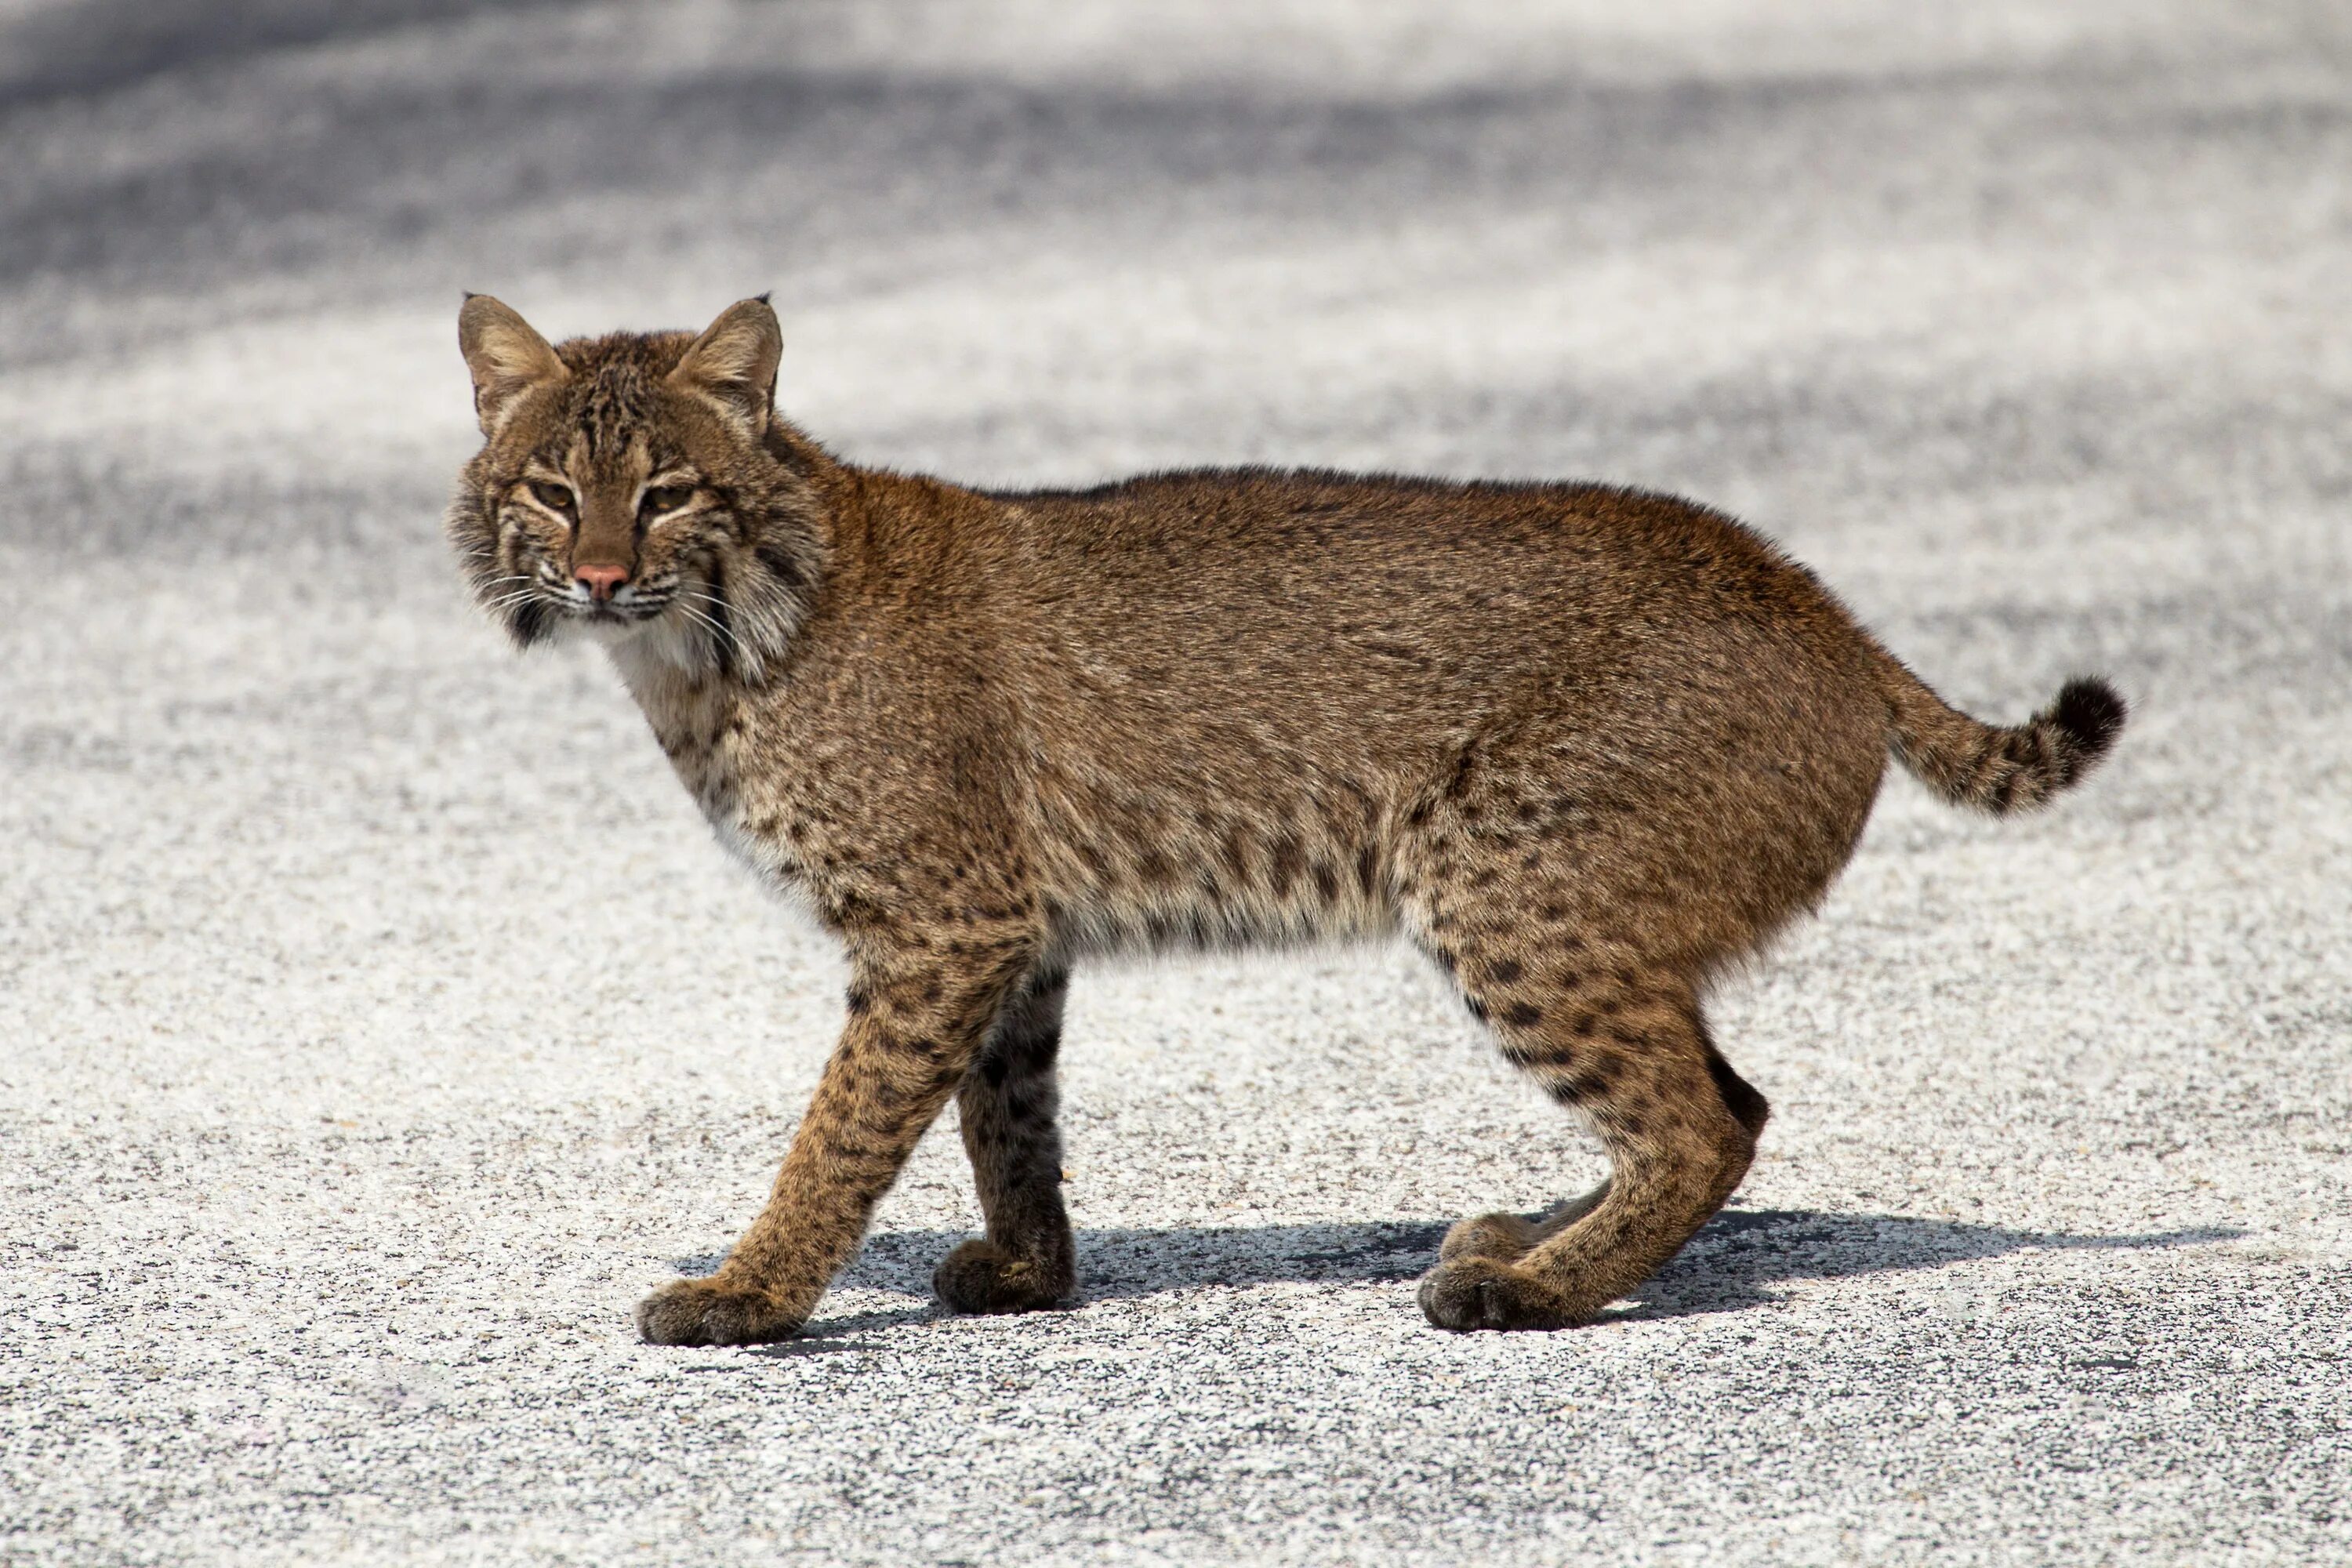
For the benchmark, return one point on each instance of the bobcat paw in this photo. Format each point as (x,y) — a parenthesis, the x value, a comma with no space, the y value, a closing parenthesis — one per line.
(1473,1292)
(981,1276)
(707,1312)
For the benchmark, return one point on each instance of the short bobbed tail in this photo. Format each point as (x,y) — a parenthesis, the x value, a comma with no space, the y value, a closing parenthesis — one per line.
(1991,768)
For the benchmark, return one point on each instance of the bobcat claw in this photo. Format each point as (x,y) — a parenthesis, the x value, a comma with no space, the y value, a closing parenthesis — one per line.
(1473,1292)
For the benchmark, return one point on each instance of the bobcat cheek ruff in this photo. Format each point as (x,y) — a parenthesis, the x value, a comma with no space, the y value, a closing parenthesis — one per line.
(1583,746)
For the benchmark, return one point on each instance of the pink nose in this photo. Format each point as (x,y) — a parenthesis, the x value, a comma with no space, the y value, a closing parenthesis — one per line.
(602,580)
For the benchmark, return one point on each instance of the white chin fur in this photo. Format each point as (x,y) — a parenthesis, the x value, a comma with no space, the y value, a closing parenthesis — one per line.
(666,641)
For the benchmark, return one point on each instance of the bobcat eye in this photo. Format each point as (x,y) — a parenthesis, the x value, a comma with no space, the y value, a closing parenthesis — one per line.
(664,498)
(554,497)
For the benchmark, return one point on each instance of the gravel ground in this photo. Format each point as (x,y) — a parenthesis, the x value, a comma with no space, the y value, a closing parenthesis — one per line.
(381,1023)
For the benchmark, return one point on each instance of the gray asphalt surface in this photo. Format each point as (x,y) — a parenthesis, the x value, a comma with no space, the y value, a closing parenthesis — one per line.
(380,1022)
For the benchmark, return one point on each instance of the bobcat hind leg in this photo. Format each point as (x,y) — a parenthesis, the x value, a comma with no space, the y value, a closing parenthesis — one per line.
(1626,1048)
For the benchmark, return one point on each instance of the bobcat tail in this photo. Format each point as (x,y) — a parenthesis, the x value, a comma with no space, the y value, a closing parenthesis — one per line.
(1993,769)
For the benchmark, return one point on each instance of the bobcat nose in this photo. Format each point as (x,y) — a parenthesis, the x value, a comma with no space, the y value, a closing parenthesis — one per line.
(602,580)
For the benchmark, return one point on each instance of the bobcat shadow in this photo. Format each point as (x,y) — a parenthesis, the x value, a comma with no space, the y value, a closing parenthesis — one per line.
(1731,1265)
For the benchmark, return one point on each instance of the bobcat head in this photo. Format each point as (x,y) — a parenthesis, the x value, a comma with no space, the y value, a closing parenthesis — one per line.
(639,488)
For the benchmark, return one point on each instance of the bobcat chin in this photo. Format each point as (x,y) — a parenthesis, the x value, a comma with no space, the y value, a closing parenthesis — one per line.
(1582,746)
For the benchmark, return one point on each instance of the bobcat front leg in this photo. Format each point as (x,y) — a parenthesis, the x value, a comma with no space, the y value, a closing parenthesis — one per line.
(919,1012)
(1026,1260)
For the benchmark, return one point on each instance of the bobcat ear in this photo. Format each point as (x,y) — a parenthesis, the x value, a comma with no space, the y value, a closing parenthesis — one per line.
(733,363)
(507,357)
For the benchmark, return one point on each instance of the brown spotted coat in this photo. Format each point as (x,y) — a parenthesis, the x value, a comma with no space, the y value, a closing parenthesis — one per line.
(1583,746)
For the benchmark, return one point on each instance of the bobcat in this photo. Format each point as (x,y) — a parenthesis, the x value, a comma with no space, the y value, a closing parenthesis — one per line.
(1583,746)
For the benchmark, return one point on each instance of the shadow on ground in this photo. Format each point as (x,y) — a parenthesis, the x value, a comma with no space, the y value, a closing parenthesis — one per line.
(1729,1264)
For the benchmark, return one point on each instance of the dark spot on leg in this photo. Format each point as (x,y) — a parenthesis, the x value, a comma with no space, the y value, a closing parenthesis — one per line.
(1594,1080)
(1523,1014)
(1508,972)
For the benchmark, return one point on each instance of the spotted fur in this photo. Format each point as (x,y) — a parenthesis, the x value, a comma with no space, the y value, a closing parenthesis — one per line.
(1583,746)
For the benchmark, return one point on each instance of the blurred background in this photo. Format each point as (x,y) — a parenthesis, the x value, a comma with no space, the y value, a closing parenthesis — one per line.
(2024,323)
(2071,273)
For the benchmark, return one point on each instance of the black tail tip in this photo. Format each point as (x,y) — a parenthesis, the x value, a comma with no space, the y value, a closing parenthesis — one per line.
(2091,712)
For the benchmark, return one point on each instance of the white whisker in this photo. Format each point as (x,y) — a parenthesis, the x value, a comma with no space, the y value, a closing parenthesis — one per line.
(705,618)
(709,599)
(727,636)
